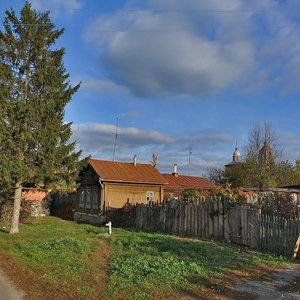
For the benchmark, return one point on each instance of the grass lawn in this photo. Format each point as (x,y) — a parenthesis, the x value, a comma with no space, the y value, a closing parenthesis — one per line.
(77,261)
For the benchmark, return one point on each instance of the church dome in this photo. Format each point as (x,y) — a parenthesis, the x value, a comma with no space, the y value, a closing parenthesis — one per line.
(236,152)
(236,158)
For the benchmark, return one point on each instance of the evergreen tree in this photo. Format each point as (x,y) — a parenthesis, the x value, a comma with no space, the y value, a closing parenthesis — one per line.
(34,90)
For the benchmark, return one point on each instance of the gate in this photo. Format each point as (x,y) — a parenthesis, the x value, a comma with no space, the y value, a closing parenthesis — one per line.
(243,223)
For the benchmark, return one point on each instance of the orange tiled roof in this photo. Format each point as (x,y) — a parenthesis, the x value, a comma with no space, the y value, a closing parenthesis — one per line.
(34,195)
(126,172)
(182,182)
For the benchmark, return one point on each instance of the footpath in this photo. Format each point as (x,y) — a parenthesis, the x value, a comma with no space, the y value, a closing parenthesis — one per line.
(7,289)
(284,284)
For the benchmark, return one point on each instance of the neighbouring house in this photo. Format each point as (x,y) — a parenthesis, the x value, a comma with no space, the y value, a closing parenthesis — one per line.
(113,184)
(35,202)
(177,184)
(253,194)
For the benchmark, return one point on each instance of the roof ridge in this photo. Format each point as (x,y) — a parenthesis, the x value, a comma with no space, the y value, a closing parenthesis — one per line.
(119,162)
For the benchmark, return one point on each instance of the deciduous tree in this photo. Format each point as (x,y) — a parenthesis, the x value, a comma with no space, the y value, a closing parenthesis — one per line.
(261,166)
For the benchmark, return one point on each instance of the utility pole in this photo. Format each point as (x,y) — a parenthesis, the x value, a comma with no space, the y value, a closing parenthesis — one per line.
(116,136)
(190,154)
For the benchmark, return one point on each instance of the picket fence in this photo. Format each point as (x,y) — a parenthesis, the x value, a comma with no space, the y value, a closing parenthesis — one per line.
(199,218)
(213,219)
(278,235)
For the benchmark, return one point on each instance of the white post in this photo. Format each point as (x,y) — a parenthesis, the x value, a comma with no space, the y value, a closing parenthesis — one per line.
(109,227)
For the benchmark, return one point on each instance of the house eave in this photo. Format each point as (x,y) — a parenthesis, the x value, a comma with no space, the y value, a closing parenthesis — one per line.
(130,182)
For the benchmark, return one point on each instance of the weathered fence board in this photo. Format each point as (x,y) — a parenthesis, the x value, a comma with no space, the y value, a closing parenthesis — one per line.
(278,235)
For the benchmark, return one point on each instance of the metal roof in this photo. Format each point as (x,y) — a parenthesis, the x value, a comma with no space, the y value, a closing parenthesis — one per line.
(234,163)
(183,182)
(126,172)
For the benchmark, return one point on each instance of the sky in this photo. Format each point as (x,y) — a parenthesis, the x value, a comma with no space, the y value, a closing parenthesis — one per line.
(186,79)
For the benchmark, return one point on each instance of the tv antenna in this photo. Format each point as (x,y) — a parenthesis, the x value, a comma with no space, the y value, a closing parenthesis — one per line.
(190,154)
(116,137)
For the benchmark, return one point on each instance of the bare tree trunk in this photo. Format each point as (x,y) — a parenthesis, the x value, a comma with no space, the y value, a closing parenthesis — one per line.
(16,210)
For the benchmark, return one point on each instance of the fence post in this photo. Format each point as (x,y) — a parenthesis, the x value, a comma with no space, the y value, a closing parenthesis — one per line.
(226,228)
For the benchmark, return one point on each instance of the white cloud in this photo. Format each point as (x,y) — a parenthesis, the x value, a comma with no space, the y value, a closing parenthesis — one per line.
(68,7)
(98,140)
(167,61)
(103,86)
(191,47)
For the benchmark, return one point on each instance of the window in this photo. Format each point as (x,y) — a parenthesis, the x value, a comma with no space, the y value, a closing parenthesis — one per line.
(81,198)
(149,196)
(88,198)
(95,202)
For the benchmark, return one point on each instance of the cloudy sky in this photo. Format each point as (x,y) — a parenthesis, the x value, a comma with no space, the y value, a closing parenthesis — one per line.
(178,75)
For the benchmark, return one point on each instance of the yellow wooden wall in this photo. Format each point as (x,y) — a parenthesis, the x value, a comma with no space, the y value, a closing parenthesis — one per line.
(116,195)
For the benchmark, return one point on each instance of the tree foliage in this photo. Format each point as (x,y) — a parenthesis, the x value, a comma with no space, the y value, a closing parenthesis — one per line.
(190,194)
(34,90)
(280,204)
(262,166)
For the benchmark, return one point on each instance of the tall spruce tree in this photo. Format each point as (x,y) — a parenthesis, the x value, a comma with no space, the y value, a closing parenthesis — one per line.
(34,90)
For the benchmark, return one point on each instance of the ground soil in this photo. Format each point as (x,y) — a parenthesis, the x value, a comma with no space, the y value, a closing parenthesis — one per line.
(261,283)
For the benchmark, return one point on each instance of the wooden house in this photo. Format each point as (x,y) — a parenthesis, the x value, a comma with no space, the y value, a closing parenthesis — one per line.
(113,184)
(178,184)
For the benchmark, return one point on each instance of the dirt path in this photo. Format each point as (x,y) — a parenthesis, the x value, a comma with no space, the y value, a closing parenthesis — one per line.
(264,283)
(284,284)
(8,291)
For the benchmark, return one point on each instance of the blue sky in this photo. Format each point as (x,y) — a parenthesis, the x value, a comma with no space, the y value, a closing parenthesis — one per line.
(179,74)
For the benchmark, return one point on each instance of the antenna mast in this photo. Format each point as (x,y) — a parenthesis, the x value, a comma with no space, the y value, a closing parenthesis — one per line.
(190,154)
(116,136)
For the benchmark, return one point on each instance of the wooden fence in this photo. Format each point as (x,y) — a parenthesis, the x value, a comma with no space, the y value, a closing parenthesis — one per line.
(243,225)
(192,219)
(213,219)
(278,235)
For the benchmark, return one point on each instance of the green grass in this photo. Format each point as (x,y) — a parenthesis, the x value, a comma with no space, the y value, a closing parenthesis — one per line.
(60,250)
(141,265)
(148,265)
